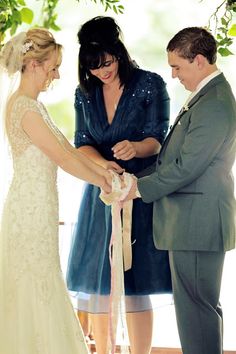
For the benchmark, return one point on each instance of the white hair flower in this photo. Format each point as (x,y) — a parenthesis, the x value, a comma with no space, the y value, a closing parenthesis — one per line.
(26,47)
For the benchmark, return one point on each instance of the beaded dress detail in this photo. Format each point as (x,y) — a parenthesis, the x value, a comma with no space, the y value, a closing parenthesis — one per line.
(36,313)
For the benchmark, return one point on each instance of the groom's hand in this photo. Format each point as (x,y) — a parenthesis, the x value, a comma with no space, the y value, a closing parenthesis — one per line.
(133,193)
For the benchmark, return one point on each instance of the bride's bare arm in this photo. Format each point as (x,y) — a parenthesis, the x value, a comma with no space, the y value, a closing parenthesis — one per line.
(96,157)
(77,165)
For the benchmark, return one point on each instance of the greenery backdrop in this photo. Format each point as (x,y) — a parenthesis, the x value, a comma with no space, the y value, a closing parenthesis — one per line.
(146,24)
(15,12)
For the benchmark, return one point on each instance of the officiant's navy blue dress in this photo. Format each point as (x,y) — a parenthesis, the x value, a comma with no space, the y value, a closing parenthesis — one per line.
(142,112)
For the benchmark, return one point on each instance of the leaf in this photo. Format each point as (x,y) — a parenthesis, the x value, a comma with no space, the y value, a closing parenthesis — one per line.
(224,41)
(2,36)
(16,17)
(55,27)
(232,30)
(224,30)
(3,18)
(13,28)
(223,21)
(121,9)
(224,52)
(3,5)
(21,2)
(27,15)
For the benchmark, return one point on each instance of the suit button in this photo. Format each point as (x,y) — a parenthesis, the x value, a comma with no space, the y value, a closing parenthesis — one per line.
(159,162)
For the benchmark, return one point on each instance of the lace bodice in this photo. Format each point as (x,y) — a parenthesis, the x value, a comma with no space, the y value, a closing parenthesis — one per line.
(19,140)
(32,200)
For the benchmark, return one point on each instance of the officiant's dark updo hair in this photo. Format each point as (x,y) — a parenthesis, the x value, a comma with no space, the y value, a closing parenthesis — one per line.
(98,37)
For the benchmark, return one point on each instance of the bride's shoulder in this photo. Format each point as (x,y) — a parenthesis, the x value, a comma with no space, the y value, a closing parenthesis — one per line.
(25,100)
(17,106)
(22,103)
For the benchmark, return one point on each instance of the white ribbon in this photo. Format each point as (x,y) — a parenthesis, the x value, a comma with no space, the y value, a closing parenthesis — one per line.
(120,253)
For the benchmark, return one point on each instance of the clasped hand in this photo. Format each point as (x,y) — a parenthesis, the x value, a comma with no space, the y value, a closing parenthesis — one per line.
(124,188)
(123,150)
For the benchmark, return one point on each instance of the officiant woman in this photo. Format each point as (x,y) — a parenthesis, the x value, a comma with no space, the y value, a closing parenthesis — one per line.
(122,117)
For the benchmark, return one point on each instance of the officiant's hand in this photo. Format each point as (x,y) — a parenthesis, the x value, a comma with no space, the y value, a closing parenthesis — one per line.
(124,150)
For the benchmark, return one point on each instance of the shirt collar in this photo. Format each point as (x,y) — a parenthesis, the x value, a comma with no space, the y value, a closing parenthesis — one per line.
(202,84)
(207,79)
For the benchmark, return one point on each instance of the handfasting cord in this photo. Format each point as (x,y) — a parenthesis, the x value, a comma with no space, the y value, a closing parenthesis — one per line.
(120,253)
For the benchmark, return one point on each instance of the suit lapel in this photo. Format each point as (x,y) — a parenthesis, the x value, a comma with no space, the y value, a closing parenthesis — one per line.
(192,102)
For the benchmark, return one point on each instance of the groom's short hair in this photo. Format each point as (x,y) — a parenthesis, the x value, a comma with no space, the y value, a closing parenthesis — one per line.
(192,41)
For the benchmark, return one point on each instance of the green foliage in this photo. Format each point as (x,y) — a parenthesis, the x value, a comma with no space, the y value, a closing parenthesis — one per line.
(13,13)
(221,21)
(49,14)
(232,30)
(111,5)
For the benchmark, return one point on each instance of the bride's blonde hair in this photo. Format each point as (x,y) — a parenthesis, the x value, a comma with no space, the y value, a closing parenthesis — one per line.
(36,43)
(43,44)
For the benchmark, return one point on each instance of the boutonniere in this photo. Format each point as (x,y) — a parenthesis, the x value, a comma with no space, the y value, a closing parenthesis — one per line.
(185,108)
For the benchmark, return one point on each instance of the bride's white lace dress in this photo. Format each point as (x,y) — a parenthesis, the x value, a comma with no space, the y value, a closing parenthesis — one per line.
(36,315)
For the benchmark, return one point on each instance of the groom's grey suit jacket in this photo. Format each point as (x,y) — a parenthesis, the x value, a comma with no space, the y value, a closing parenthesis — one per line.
(192,186)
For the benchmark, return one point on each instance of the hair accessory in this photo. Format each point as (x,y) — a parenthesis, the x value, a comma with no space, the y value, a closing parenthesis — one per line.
(93,43)
(26,47)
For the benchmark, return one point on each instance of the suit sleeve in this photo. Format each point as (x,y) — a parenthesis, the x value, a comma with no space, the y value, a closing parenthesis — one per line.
(204,139)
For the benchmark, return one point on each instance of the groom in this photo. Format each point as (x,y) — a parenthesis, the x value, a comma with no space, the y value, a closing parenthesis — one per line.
(193,192)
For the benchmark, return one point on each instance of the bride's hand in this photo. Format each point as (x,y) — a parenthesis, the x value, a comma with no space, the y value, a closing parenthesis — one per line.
(113,166)
(105,186)
(107,181)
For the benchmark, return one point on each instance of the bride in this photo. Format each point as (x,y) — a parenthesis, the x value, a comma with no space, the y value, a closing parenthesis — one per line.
(36,316)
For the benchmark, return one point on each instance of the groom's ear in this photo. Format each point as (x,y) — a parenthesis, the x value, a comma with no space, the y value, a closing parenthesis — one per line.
(201,61)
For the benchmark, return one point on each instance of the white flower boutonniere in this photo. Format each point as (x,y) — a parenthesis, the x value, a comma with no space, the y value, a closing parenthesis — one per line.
(185,108)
